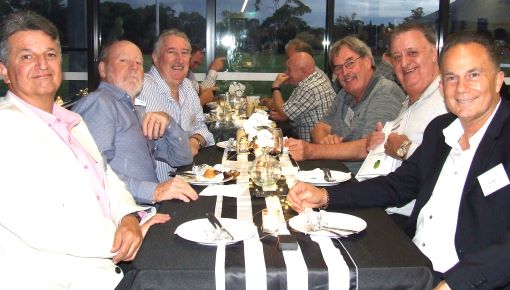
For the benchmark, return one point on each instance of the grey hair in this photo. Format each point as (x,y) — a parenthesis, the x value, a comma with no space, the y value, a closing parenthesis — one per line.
(354,44)
(427,31)
(299,46)
(23,21)
(170,32)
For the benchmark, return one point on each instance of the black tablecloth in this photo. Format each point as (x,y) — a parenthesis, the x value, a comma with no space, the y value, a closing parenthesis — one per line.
(385,257)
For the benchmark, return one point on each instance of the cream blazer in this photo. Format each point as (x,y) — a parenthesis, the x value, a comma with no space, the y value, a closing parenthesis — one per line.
(53,234)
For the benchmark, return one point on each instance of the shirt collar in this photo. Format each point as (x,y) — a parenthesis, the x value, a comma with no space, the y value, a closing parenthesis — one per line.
(454,131)
(118,93)
(59,114)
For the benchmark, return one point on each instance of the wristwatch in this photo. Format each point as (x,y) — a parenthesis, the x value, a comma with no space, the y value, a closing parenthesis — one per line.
(403,149)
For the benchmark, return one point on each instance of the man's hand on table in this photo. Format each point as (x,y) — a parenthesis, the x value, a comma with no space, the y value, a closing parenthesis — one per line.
(375,138)
(127,240)
(331,139)
(154,124)
(176,188)
(298,149)
(304,195)
(159,218)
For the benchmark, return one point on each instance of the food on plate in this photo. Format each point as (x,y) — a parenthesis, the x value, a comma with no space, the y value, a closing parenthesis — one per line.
(231,173)
(210,173)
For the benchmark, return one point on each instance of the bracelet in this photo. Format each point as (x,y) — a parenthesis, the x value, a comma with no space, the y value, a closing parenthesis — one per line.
(325,206)
(275,89)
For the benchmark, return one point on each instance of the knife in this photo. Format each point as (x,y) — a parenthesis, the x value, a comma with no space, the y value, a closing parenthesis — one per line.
(210,219)
(217,222)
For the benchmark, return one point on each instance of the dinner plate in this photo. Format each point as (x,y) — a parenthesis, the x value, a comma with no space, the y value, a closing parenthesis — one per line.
(316,177)
(201,231)
(191,179)
(224,144)
(336,220)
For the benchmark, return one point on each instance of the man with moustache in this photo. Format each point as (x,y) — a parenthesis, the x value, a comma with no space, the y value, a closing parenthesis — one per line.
(64,212)
(310,99)
(166,87)
(458,175)
(115,119)
(364,100)
(414,56)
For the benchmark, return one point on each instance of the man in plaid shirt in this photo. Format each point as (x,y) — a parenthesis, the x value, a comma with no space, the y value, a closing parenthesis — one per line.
(309,101)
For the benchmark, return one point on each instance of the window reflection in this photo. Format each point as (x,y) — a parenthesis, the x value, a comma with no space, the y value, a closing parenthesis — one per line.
(253,39)
(493,20)
(371,21)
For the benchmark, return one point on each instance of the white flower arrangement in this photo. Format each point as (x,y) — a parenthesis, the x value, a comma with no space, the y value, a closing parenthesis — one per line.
(257,126)
(236,89)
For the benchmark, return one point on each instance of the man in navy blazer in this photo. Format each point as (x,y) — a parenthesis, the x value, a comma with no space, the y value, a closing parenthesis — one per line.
(459,175)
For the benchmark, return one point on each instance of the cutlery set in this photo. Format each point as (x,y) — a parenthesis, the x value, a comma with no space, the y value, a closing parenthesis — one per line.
(217,225)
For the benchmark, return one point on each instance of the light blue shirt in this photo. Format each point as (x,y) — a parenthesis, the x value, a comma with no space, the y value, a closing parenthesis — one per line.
(114,123)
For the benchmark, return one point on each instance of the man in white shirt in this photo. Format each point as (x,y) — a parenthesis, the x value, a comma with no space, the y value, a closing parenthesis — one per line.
(63,211)
(458,175)
(165,87)
(415,60)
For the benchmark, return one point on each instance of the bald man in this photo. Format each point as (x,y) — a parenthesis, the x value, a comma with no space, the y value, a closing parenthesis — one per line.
(309,101)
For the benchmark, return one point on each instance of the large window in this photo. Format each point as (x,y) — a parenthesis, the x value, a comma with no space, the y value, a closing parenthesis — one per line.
(71,20)
(372,20)
(490,17)
(252,35)
(142,21)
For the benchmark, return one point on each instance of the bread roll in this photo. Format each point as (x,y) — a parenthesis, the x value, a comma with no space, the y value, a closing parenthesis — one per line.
(209,173)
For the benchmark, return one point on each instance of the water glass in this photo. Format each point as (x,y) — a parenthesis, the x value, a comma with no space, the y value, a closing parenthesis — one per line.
(277,148)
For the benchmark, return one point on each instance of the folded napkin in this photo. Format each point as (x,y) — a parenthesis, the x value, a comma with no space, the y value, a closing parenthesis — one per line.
(317,175)
(231,190)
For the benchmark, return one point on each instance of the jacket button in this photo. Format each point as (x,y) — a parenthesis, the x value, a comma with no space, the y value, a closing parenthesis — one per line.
(118,270)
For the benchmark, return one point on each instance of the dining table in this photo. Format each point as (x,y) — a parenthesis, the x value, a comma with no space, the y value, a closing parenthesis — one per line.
(379,257)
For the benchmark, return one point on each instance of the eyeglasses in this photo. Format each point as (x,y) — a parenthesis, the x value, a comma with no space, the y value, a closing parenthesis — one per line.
(348,64)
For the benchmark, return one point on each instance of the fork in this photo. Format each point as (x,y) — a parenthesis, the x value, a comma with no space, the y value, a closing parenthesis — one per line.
(327,175)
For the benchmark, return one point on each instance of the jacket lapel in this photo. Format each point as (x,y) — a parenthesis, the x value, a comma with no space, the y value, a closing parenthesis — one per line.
(485,150)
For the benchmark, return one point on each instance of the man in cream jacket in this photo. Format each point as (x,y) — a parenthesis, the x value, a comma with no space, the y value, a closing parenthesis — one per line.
(65,217)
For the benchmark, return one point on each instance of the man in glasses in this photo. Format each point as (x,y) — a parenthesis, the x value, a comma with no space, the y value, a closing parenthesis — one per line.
(364,100)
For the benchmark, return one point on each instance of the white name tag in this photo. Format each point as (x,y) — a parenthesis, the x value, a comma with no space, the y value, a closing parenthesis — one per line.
(494,179)
(349,115)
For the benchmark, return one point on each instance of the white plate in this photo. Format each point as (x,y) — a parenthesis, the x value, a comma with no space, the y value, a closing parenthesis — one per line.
(331,219)
(316,177)
(192,180)
(202,231)
(224,144)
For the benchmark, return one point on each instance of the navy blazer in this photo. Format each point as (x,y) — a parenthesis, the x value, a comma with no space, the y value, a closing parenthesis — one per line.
(482,238)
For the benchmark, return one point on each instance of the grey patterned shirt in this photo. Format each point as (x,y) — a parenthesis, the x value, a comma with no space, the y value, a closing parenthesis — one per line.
(308,102)
(382,102)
